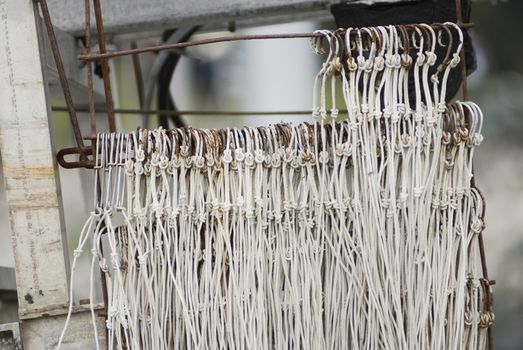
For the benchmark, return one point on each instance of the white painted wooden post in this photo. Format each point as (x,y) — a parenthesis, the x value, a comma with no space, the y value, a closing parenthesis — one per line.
(32,187)
(31,180)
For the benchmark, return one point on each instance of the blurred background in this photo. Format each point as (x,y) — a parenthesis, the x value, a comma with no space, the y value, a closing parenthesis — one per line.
(278,75)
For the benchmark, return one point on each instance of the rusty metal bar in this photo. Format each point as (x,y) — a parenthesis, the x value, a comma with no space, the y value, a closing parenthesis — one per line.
(195,112)
(464,83)
(63,78)
(105,65)
(489,297)
(459,14)
(89,68)
(157,48)
(85,163)
(108,55)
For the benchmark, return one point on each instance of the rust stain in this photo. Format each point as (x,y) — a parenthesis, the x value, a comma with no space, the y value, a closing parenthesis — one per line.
(28,172)
(36,205)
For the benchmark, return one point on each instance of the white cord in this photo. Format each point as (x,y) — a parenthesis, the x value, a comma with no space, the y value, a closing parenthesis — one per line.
(359,233)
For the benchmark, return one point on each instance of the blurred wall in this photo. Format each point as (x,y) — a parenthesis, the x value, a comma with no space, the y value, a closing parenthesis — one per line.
(498,89)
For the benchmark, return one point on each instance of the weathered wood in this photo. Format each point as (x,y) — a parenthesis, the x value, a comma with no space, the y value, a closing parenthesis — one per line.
(31,183)
(122,16)
(43,333)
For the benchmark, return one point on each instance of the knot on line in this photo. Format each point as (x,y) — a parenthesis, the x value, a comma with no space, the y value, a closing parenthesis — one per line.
(379,63)
(455,60)
(431,58)
(77,252)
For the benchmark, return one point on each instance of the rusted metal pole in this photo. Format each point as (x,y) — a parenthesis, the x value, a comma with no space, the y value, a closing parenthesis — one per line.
(105,65)
(157,48)
(195,112)
(89,68)
(63,78)
(464,83)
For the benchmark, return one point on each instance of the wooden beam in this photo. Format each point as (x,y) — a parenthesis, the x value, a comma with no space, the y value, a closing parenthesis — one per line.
(43,333)
(32,188)
(31,182)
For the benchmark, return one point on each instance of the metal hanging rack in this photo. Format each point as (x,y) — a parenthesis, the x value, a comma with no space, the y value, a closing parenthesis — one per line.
(192,112)
(103,56)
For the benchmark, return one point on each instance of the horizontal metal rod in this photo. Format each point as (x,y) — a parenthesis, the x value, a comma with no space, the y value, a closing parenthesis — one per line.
(108,55)
(98,56)
(193,112)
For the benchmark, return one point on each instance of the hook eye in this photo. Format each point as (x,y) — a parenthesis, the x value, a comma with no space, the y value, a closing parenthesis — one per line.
(359,43)
(456,56)
(430,36)
(395,38)
(447,44)
(316,43)
(385,39)
(459,31)
(371,38)
(415,43)
(61,155)
(348,42)
(405,44)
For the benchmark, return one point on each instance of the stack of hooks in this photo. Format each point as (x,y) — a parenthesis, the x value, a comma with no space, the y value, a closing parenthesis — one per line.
(351,232)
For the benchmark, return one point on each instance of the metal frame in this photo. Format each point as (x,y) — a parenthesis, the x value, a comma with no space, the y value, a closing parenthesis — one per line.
(32,185)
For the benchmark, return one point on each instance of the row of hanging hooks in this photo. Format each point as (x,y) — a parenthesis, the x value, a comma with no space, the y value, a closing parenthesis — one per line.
(365,57)
(296,144)
(420,37)
(423,32)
